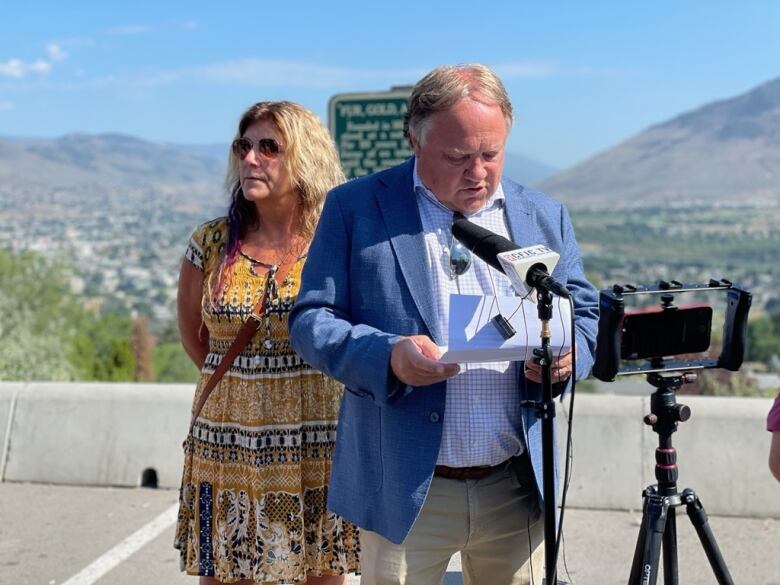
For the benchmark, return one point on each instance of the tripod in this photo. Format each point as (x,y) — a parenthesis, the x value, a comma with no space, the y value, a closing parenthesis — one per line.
(660,501)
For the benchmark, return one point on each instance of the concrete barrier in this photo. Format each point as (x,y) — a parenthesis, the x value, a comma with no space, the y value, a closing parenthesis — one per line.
(722,453)
(108,434)
(98,434)
(608,451)
(8,394)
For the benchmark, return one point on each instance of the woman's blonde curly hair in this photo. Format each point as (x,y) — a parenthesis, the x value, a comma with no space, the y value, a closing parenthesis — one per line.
(311,162)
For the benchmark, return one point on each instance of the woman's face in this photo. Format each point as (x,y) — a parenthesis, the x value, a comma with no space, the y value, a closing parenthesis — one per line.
(262,173)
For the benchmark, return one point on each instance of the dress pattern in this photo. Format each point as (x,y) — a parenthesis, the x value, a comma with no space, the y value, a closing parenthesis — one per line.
(258,460)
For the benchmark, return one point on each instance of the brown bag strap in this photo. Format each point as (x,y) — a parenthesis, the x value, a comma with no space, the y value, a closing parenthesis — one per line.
(247,331)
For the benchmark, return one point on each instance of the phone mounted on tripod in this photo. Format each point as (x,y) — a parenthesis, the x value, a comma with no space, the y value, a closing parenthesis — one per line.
(664,331)
(655,334)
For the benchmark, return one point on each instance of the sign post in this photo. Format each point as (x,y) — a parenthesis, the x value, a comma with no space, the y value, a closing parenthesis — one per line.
(368,129)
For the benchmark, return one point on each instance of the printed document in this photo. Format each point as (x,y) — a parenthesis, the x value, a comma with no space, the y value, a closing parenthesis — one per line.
(473,337)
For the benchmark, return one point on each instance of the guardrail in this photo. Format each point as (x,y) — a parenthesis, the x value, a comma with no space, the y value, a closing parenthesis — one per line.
(121,434)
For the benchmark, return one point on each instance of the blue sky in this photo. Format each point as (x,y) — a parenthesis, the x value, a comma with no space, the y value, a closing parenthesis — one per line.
(582,76)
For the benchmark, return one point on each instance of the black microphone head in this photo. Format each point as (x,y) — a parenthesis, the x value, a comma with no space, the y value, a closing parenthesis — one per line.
(482,242)
(538,277)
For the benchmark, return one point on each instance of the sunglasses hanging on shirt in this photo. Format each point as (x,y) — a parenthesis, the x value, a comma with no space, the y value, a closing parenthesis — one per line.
(460,261)
(460,258)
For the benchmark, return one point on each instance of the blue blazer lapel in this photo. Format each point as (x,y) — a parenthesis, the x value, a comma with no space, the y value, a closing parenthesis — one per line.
(398,207)
(520,216)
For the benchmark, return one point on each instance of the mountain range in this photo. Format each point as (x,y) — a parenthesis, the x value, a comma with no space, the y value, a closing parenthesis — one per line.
(115,161)
(106,161)
(725,152)
(526,170)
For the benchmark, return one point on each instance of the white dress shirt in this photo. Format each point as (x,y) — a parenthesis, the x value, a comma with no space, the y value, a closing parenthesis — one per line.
(482,419)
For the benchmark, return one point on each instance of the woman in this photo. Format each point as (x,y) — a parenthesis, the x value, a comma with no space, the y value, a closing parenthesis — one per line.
(773,426)
(257,461)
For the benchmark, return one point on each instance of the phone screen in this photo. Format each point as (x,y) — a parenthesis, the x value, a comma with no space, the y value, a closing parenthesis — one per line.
(659,332)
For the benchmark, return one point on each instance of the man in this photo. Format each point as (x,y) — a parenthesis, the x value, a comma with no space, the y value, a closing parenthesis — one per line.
(431,460)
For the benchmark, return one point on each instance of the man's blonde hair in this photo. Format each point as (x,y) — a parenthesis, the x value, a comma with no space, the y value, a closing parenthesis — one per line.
(443,87)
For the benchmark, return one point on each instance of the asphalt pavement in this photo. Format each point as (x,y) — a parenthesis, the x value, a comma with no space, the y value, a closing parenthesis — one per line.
(62,535)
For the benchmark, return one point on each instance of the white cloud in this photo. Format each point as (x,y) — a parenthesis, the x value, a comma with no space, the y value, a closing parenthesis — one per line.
(131,29)
(18,69)
(189,24)
(281,73)
(55,52)
(588,71)
(249,73)
(517,69)
(275,73)
(75,42)
(526,69)
(5,105)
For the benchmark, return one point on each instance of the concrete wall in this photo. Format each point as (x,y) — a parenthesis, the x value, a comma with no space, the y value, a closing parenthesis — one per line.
(8,395)
(96,434)
(108,434)
(722,453)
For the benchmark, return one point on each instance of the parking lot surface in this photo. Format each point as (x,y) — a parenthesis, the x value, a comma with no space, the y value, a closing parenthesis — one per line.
(61,535)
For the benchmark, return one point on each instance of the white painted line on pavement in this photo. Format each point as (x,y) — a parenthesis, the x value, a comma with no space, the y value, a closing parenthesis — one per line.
(125,549)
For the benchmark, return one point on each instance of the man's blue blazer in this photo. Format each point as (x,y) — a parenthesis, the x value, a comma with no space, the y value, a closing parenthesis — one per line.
(365,284)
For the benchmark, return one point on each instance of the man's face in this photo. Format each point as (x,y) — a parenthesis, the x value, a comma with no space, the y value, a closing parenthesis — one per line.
(461,155)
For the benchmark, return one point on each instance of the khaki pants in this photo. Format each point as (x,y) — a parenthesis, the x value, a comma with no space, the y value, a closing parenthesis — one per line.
(494,522)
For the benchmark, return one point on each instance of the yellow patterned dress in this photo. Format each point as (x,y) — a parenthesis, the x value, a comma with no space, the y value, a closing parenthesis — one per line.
(256,467)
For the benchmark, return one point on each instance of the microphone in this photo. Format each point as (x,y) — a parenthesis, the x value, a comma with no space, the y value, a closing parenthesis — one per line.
(527,268)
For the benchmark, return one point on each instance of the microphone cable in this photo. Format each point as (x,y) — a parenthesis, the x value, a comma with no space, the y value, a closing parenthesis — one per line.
(569,443)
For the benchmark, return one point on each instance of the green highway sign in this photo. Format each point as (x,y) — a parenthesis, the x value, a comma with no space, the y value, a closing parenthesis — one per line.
(368,129)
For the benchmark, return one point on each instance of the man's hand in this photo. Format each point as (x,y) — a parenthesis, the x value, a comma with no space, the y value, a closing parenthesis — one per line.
(561,369)
(414,361)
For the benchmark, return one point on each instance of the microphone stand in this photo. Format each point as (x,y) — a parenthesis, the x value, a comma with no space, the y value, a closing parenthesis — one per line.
(545,410)
(487,245)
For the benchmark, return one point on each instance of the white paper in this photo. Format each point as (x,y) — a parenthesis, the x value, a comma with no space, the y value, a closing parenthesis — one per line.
(474,338)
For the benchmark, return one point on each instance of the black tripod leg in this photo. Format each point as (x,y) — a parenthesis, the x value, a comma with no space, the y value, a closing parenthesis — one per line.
(700,522)
(644,569)
(670,549)
(638,551)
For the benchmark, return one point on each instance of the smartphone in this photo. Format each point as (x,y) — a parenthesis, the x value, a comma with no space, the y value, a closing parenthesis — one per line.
(659,332)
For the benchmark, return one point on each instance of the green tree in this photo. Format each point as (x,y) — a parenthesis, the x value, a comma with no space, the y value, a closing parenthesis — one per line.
(35,306)
(173,365)
(717,382)
(46,335)
(763,339)
(169,333)
(101,348)
(587,386)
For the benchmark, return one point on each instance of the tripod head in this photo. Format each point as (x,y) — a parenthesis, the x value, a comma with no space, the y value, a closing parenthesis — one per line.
(665,414)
